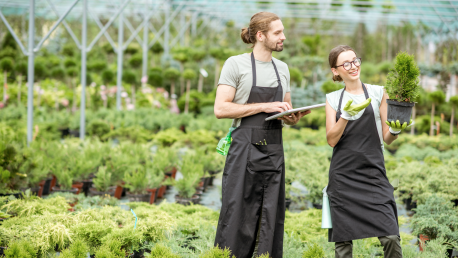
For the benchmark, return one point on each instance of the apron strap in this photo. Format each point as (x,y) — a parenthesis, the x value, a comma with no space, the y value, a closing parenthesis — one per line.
(253,70)
(366,94)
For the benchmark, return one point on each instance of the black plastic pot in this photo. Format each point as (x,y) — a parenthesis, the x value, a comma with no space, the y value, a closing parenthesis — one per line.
(94,192)
(399,111)
(317,206)
(87,184)
(410,204)
(2,251)
(138,197)
(58,190)
(137,254)
(288,203)
(455,202)
(75,133)
(64,132)
(47,186)
(16,195)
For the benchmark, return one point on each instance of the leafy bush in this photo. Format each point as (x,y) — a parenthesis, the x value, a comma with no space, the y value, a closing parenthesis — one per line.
(20,249)
(313,251)
(78,249)
(103,180)
(436,218)
(162,251)
(110,249)
(135,180)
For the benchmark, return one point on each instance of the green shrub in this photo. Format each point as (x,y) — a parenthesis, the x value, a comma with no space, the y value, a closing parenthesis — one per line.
(162,251)
(78,249)
(313,251)
(103,180)
(135,180)
(110,249)
(403,80)
(20,249)
(98,128)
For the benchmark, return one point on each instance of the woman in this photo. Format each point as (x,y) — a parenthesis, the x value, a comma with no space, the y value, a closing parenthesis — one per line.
(361,197)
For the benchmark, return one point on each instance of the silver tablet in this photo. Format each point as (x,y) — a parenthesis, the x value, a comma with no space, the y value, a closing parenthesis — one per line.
(289,112)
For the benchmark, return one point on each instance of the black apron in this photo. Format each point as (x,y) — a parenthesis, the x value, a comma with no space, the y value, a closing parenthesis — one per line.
(254,179)
(361,197)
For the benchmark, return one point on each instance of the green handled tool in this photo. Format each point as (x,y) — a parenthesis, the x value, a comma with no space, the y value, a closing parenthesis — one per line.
(225,143)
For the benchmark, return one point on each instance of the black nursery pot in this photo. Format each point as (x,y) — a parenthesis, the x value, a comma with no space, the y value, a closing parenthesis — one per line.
(399,111)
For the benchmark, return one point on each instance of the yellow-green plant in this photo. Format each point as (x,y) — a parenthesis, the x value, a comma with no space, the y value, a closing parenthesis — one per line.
(403,83)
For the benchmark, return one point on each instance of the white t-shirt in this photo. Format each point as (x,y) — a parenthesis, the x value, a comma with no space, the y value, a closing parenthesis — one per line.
(375,93)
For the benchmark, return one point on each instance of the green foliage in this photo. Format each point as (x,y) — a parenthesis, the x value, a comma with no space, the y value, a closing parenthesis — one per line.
(58,73)
(103,180)
(330,86)
(40,70)
(189,74)
(162,251)
(6,64)
(403,80)
(296,75)
(313,251)
(110,249)
(20,249)
(157,48)
(98,128)
(453,100)
(135,180)
(136,61)
(171,74)
(97,65)
(437,97)
(107,76)
(181,54)
(21,67)
(78,249)
(155,77)
(72,71)
(69,50)
(129,77)
(436,218)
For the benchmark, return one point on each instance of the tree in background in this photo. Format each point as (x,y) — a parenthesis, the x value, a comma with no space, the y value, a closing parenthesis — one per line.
(189,75)
(21,69)
(198,55)
(129,77)
(330,86)
(437,97)
(58,73)
(454,101)
(107,78)
(220,54)
(6,65)
(156,49)
(296,76)
(181,54)
(171,74)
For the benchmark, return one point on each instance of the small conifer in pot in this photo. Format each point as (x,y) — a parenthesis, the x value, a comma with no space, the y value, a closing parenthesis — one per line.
(402,86)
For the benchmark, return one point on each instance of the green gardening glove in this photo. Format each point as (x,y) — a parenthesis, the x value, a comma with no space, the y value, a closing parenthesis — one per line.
(396,127)
(350,110)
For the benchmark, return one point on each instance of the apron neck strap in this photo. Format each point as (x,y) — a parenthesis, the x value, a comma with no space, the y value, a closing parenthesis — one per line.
(253,69)
(366,94)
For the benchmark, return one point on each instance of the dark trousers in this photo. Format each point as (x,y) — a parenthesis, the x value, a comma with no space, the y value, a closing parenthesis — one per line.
(391,247)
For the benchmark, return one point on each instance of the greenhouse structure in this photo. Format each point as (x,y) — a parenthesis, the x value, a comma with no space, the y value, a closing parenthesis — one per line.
(111,126)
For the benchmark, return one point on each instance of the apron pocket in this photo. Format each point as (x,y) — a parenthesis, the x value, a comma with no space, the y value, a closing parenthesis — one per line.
(265,158)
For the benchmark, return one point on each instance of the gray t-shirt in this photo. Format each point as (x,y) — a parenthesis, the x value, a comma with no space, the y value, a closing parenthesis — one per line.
(237,73)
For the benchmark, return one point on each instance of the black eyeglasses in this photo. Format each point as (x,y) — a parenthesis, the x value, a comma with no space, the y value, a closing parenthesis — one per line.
(347,65)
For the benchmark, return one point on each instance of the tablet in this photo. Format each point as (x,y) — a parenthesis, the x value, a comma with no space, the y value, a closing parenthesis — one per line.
(289,112)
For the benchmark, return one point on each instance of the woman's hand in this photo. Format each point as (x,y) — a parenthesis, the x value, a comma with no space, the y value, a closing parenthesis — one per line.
(350,110)
(396,128)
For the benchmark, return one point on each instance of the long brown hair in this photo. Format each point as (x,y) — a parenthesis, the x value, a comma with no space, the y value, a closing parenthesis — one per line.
(334,54)
(259,22)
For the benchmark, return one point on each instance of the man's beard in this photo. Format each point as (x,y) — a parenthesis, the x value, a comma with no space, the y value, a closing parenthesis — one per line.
(273,46)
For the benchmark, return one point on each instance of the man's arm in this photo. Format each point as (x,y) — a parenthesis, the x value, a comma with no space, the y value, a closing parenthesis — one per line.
(224,108)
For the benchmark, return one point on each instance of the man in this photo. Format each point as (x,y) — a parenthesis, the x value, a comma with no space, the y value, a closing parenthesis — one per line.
(251,88)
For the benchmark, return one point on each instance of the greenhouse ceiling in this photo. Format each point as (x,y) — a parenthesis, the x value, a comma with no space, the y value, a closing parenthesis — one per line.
(440,18)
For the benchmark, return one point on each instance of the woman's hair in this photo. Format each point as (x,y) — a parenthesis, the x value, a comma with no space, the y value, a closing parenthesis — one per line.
(334,54)
(259,22)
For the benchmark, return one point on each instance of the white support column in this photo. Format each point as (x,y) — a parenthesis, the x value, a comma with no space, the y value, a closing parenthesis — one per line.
(167,30)
(120,54)
(30,71)
(145,46)
(83,72)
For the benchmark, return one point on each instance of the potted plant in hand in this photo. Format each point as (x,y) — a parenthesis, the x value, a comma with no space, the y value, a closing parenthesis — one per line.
(136,183)
(402,86)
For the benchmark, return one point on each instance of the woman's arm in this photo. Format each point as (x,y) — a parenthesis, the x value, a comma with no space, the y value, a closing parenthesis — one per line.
(334,130)
(388,138)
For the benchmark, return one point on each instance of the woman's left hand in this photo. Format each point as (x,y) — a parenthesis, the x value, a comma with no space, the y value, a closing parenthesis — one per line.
(294,117)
